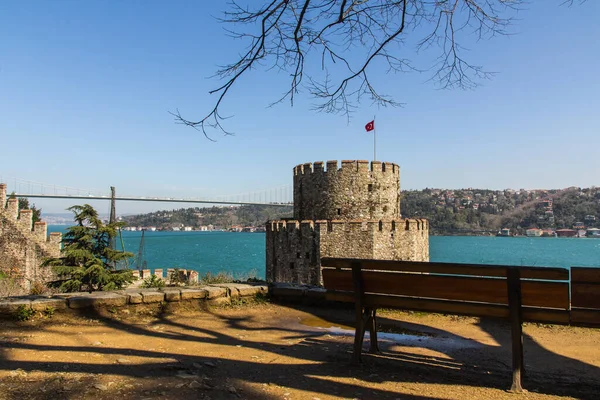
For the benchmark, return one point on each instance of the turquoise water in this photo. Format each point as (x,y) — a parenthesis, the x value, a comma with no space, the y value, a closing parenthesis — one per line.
(240,253)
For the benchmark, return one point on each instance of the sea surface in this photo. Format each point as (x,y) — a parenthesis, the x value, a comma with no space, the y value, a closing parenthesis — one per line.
(243,254)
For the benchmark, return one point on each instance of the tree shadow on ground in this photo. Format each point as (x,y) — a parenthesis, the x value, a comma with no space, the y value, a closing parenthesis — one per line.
(321,362)
(545,371)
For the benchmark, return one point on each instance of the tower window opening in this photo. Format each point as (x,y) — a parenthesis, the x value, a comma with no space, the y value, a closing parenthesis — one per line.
(370,187)
(339,211)
(292,265)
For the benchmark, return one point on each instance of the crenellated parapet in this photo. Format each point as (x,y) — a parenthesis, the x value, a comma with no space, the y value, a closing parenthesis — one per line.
(348,166)
(23,222)
(294,248)
(24,245)
(356,190)
(411,224)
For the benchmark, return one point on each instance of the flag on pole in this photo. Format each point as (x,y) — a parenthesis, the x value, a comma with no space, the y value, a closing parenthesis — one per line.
(370,126)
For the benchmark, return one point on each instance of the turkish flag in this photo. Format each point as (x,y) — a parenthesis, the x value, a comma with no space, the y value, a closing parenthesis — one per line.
(370,126)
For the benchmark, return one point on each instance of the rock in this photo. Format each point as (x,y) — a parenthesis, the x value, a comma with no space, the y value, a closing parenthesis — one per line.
(97,299)
(185,375)
(100,386)
(153,297)
(187,294)
(232,390)
(214,292)
(123,361)
(96,343)
(172,294)
(210,364)
(135,298)
(18,372)
(198,385)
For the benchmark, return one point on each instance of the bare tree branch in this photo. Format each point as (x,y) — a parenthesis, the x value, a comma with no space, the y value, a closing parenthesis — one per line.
(329,47)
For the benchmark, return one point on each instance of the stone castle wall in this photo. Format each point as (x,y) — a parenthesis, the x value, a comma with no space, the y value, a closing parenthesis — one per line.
(295,248)
(357,190)
(347,212)
(23,245)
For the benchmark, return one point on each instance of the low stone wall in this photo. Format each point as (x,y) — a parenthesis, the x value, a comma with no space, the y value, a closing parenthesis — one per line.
(212,294)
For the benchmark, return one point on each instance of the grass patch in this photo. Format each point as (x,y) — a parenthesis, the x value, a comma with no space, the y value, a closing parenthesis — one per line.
(153,282)
(23,313)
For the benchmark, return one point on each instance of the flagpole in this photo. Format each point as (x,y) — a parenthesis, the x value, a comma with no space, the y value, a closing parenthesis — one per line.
(374,140)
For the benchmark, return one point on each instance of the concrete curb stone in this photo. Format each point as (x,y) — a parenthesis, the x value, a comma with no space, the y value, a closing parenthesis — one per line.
(97,299)
(193,293)
(172,294)
(41,304)
(152,297)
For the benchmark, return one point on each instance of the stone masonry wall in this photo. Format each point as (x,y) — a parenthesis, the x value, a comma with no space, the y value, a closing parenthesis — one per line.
(354,191)
(24,245)
(294,249)
(293,252)
(347,212)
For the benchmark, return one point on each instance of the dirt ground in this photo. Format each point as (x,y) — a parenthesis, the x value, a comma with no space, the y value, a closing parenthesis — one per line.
(268,351)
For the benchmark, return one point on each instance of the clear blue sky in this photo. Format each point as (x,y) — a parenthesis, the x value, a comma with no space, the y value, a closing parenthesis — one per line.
(86,87)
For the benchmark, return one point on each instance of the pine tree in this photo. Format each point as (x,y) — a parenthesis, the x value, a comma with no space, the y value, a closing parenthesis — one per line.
(87,262)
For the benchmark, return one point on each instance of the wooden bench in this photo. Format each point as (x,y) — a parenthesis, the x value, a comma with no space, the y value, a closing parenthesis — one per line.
(585,296)
(535,294)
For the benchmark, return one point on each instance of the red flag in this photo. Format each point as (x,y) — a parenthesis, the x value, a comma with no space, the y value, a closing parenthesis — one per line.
(370,126)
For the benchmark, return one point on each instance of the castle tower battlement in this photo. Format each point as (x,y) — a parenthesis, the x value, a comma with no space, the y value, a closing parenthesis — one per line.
(347,211)
(23,221)
(24,245)
(357,190)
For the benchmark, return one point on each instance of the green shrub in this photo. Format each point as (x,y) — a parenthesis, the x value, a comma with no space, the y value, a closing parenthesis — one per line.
(24,313)
(153,282)
(49,311)
(249,276)
(221,277)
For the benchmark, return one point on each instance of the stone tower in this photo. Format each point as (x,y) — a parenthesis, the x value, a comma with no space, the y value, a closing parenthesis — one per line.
(24,245)
(349,212)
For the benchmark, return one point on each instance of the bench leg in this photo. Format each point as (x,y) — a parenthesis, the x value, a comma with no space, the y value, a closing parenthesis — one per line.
(359,334)
(516,327)
(372,324)
(517,355)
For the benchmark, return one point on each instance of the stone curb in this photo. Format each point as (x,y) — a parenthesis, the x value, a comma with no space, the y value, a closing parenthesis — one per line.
(213,294)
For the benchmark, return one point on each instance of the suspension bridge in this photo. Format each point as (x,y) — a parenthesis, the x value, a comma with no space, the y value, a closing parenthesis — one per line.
(277,196)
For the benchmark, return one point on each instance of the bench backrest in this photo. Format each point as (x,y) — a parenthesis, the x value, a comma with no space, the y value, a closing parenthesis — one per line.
(477,290)
(585,296)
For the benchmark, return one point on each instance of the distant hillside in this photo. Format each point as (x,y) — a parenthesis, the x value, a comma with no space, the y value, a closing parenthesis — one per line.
(216,217)
(463,211)
(472,211)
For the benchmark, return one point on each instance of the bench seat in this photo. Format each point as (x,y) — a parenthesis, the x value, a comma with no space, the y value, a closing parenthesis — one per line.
(518,294)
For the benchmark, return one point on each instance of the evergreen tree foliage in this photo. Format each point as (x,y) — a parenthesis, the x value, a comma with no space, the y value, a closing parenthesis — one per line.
(87,262)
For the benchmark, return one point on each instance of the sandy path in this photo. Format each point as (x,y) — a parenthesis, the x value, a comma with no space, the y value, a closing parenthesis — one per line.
(267,351)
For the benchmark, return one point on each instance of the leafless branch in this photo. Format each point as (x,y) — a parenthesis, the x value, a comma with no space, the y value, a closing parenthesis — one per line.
(329,47)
